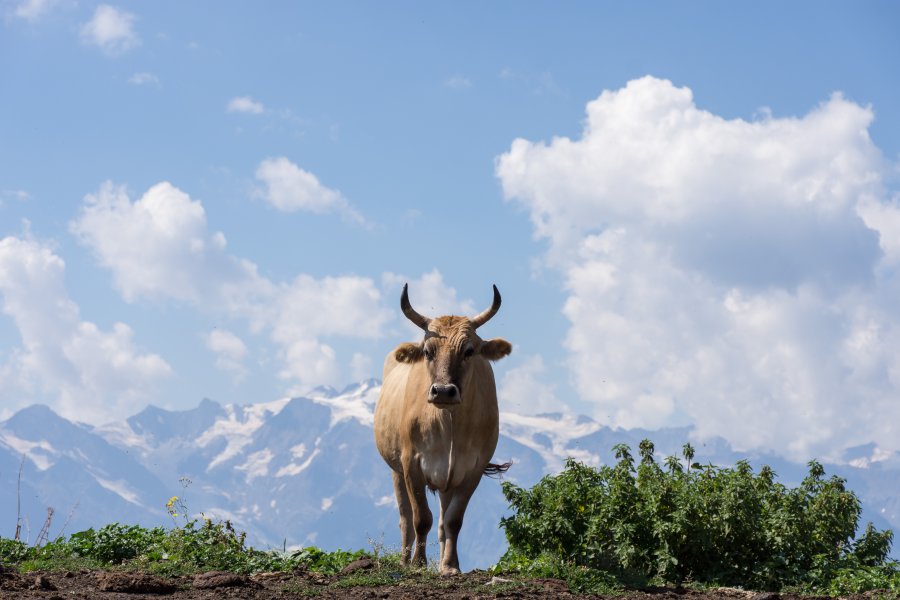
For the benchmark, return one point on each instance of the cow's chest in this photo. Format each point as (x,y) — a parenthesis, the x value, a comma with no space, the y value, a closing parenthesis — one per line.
(445,464)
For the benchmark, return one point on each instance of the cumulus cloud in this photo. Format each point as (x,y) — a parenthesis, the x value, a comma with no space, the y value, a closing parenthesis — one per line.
(308,309)
(523,390)
(289,188)
(111,29)
(362,367)
(87,372)
(430,296)
(160,248)
(230,352)
(732,273)
(32,10)
(245,104)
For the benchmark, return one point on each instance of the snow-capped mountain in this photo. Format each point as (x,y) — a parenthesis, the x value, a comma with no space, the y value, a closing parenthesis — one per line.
(301,471)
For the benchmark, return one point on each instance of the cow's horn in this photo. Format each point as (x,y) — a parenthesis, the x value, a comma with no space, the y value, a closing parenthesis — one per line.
(410,312)
(484,317)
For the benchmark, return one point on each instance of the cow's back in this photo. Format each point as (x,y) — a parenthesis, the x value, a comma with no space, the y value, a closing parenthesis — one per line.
(389,410)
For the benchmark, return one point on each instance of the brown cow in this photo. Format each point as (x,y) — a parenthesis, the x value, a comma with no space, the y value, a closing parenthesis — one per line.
(437,423)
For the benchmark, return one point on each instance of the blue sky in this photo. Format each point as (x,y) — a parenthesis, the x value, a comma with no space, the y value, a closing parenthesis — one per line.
(697,224)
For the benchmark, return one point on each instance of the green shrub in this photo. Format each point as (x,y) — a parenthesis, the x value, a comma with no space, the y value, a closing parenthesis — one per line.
(688,522)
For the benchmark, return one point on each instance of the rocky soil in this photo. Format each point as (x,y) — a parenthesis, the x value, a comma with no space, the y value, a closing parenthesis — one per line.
(355,584)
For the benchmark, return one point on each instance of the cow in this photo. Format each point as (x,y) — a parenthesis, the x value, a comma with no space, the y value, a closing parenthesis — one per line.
(437,424)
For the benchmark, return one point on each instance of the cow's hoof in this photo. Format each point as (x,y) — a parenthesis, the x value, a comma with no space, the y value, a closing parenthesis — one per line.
(449,571)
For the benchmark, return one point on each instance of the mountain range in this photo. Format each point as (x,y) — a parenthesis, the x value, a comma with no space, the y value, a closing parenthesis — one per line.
(304,471)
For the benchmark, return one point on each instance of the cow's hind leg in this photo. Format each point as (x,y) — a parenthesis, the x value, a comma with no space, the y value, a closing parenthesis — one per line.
(407,532)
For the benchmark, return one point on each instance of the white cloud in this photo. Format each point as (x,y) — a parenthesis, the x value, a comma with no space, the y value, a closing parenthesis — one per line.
(362,367)
(538,84)
(87,372)
(458,82)
(159,247)
(884,218)
(734,274)
(230,352)
(308,309)
(289,188)
(430,296)
(143,79)
(111,29)
(17,195)
(523,391)
(245,104)
(32,10)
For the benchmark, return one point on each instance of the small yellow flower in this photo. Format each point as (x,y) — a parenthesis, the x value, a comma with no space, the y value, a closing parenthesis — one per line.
(170,506)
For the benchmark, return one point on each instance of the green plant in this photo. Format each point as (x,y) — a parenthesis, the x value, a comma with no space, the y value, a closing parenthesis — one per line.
(579,578)
(682,521)
(113,543)
(197,546)
(12,551)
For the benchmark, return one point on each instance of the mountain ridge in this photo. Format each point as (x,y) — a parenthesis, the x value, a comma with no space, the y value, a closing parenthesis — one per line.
(303,470)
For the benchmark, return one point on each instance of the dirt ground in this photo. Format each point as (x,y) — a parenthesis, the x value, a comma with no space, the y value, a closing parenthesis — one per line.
(469,586)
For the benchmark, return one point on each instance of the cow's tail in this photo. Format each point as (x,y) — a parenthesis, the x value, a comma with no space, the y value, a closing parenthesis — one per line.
(495,470)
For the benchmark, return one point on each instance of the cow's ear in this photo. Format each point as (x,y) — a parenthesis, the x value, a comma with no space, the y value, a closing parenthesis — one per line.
(495,349)
(409,353)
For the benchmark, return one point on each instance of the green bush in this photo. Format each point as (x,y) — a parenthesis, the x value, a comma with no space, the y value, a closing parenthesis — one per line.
(688,522)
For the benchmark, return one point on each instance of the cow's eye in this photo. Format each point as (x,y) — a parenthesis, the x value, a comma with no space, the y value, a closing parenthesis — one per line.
(469,352)
(429,355)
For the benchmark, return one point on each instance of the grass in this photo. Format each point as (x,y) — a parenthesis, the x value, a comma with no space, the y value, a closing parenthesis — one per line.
(205,545)
(193,548)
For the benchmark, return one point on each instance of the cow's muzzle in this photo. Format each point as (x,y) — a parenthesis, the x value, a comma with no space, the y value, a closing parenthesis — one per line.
(444,394)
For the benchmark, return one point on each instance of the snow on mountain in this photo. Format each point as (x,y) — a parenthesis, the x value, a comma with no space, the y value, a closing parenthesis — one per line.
(300,471)
(68,467)
(551,436)
(355,402)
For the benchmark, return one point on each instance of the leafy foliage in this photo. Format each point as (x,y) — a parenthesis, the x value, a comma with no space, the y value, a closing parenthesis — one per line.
(581,579)
(12,551)
(197,546)
(112,543)
(683,521)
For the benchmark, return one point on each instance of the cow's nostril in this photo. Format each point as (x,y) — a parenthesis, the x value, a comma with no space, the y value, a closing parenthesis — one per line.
(446,390)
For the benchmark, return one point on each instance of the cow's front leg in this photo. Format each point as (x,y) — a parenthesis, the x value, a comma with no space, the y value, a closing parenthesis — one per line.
(453,507)
(407,532)
(441,536)
(421,514)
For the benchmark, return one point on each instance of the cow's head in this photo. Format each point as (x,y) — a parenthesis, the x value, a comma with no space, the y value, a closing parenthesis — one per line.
(449,349)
